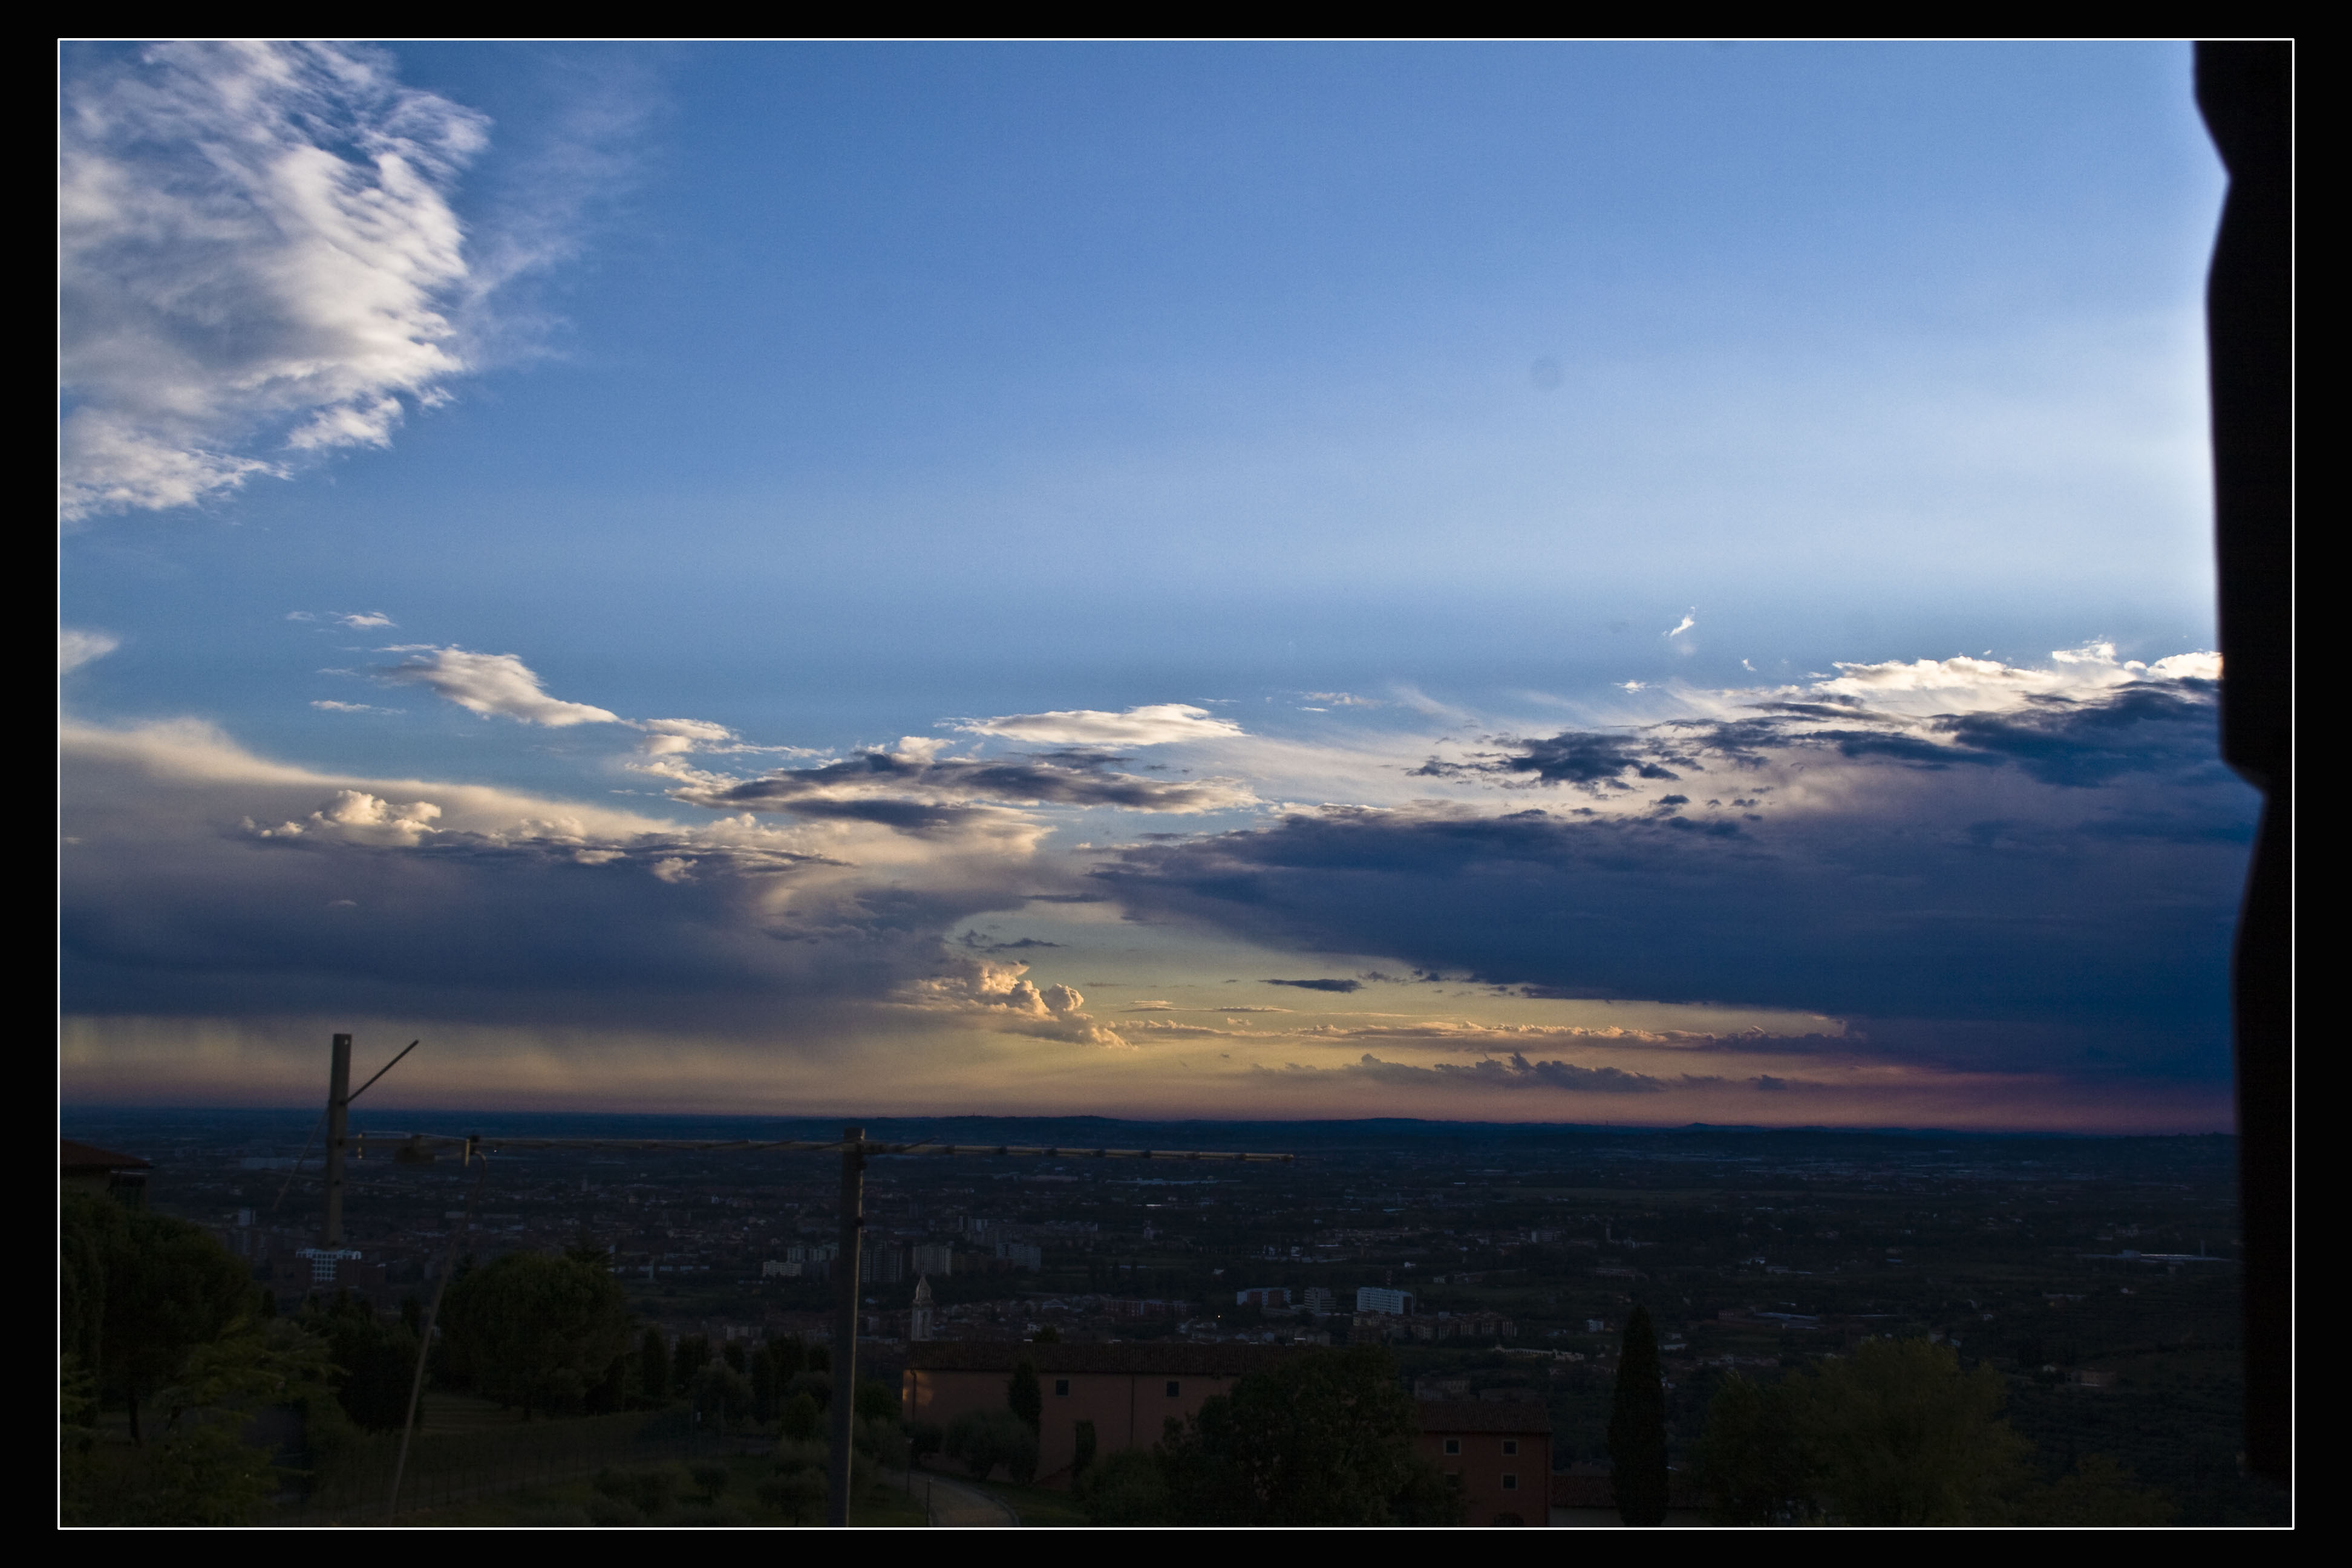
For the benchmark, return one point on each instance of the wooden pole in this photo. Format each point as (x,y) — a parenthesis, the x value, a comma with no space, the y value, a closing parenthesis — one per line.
(844,1332)
(339,1110)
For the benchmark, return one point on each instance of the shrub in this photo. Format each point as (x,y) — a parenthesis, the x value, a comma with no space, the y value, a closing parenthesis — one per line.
(1126,1488)
(796,1494)
(983,1439)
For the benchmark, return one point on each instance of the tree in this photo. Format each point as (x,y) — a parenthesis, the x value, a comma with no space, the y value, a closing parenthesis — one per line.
(801,1419)
(1898,1435)
(653,1367)
(533,1330)
(138,1292)
(722,1393)
(1326,1438)
(378,1360)
(1082,1456)
(1024,1397)
(1126,1488)
(764,1386)
(1637,1427)
(1755,1469)
(692,1351)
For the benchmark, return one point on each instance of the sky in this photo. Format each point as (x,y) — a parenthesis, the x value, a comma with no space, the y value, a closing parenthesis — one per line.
(1585,583)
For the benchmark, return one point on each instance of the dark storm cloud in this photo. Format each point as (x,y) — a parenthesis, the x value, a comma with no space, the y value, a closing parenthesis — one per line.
(197,879)
(2071,888)
(917,793)
(1343,986)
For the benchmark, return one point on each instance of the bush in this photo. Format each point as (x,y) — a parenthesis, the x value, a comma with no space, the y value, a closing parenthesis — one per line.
(924,1438)
(712,1479)
(796,1494)
(801,1454)
(646,1492)
(983,1439)
(612,1512)
(1126,1488)
(884,1442)
(800,1418)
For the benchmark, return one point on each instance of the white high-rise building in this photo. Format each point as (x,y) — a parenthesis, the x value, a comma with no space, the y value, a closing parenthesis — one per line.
(933,1258)
(1391,1303)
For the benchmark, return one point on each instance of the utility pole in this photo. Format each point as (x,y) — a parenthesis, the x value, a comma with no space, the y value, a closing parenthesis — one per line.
(339,1111)
(844,1333)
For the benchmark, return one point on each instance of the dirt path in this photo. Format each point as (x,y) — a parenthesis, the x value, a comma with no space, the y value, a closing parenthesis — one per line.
(955,1505)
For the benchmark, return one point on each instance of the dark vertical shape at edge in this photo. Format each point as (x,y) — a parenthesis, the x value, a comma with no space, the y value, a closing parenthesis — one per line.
(2245,91)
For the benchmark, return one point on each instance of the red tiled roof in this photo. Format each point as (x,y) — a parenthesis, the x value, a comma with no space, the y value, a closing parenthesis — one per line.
(1161,1358)
(1514,1415)
(73,1156)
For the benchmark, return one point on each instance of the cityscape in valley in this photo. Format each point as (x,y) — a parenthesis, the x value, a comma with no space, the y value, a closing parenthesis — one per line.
(2098,1277)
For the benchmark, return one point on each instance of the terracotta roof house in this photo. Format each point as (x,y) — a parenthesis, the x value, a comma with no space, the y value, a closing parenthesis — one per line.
(1498,1451)
(1129,1391)
(87,1168)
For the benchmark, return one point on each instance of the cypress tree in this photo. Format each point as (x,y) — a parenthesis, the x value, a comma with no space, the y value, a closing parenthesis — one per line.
(1024,1397)
(1637,1427)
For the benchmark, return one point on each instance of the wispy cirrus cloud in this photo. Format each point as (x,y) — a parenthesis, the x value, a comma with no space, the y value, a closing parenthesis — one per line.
(78,647)
(1157,725)
(258,261)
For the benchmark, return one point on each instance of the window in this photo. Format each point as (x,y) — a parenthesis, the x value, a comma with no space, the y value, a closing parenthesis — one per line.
(1453,1444)
(1061,1385)
(1510,1444)
(1510,1483)
(1172,1388)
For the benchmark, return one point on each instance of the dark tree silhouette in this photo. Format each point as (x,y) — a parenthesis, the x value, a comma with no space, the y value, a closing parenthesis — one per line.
(1637,1427)
(653,1367)
(1024,1397)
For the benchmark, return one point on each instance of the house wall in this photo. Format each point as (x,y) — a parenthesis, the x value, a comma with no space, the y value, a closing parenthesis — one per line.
(1130,1410)
(1483,1468)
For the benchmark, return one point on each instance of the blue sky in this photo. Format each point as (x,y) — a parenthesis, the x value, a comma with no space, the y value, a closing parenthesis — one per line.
(896,421)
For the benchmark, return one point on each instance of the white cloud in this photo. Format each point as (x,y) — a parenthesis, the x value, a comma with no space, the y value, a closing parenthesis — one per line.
(77,648)
(258,252)
(1156,725)
(487,683)
(1689,621)
(670,737)
(1965,685)
(997,994)
(326,706)
(362,622)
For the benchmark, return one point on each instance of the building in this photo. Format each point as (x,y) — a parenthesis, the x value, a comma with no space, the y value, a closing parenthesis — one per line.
(933,1258)
(1021,1255)
(1129,1392)
(1262,1296)
(1497,1451)
(919,1316)
(1392,1303)
(1315,1298)
(882,1265)
(87,1168)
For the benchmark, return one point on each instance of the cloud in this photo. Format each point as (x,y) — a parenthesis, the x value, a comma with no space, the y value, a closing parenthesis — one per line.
(489,683)
(672,737)
(1511,1072)
(1341,986)
(364,622)
(258,256)
(912,790)
(1687,622)
(194,870)
(998,996)
(2025,883)
(1152,726)
(327,706)
(77,648)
